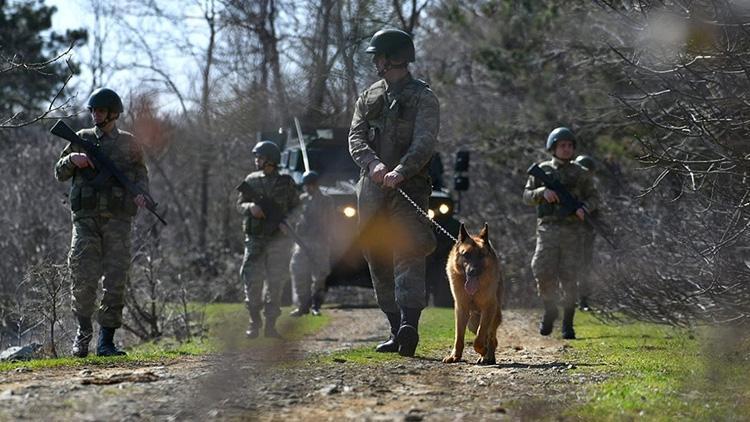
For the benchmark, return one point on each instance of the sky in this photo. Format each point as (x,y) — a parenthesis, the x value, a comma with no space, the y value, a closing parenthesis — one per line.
(73,14)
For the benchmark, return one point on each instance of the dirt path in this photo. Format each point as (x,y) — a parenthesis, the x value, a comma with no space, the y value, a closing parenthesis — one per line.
(275,383)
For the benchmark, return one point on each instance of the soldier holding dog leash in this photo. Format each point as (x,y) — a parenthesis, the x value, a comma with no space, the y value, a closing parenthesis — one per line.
(392,138)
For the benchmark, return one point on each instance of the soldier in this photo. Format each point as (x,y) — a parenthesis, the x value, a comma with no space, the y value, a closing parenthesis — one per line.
(265,198)
(102,221)
(310,263)
(558,249)
(584,279)
(392,138)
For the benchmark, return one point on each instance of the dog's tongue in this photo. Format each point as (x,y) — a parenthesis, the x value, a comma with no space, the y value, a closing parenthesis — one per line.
(472,285)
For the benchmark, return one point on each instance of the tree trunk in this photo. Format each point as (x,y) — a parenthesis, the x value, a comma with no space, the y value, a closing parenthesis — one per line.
(347,42)
(270,48)
(319,78)
(205,160)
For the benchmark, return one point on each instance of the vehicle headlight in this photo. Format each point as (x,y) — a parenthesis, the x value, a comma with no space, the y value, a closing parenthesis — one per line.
(431,213)
(350,212)
(444,208)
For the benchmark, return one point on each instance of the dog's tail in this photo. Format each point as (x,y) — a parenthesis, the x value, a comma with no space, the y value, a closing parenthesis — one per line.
(474,321)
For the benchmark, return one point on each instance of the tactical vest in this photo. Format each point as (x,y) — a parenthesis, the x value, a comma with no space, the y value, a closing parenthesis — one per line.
(391,117)
(569,176)
(315,216)
(275,187)
(108,198)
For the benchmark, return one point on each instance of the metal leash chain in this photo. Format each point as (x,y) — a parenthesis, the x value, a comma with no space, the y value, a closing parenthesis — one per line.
(427,216)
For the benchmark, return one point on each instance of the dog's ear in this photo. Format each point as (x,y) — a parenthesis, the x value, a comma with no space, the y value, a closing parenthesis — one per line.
(462,234)
(485,233)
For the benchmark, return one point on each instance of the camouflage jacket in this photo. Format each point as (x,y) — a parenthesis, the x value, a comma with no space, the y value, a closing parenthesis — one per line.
(396,124)
(278,188)
(575,178)
(316,216)
(109,199)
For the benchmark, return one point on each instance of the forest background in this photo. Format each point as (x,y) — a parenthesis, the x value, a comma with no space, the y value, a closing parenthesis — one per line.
(657,93)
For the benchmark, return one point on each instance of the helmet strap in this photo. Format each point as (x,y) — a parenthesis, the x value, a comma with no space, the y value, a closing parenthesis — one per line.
(265,164)
(107,119)
(269,167)
(385,69)
(390,65)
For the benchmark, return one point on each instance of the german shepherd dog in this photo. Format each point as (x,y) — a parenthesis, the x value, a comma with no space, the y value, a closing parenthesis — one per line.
(474,273)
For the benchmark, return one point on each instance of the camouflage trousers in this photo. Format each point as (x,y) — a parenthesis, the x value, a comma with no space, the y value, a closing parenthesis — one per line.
(100,246)
(396,241)
(309,274)
(587,262)
(557,261)
(264,273)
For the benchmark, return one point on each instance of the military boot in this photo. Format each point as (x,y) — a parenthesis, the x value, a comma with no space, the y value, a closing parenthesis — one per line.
(568,332)
(390,345)
(549,317)
(583,304)
(106,344)
(303,309)
(270,328)
(408,334)
(298,312)
(317,302)
(253,329)
(84,334)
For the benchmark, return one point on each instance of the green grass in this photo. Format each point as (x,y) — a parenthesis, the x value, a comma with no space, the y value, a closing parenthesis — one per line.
(435,340)
(226,324)
(661,373)
(149,354)
(652,372)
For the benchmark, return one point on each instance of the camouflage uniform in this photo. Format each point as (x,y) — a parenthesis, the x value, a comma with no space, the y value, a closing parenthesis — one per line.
(557,259)
(266,249)
(102,221)
(396,124)
(309,273)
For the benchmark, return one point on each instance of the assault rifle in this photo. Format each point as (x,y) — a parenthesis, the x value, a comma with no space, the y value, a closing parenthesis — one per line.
(274,216)
(569,204)
(105,168)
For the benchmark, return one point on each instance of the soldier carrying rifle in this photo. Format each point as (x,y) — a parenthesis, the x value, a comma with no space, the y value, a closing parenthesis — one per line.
(265,198)
(103,209)
(563,193)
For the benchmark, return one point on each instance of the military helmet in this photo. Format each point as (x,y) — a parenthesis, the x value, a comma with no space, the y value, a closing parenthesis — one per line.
(560,134)
(105,98)
(586,161)
(393,43)
(311,176)
(269,150)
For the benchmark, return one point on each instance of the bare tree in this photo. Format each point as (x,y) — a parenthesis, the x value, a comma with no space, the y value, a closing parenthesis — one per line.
(102,50)
(409,21)
(210,15)
(347,40)
(148,296)
(48,283)
(686,86)
(259,19)
(205,56)
(53,108)
(319,47)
